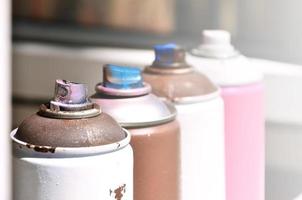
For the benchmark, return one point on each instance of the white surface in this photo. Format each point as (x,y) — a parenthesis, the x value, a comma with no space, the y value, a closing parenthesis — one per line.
(298,197)
(5,110)
(202,132)
(268,28)
(283,96)
(283,161)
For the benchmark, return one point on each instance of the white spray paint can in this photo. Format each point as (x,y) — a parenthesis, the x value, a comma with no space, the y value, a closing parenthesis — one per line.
(70,149)
(201,117)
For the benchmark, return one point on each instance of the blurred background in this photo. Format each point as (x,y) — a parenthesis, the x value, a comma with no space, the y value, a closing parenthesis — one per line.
(71,39)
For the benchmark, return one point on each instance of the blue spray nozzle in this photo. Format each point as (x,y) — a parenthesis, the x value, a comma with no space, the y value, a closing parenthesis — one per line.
(122,77)
(165,47)
(168,54)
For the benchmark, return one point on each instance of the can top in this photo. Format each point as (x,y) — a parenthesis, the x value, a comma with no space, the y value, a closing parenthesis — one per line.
(122,81)
(218,58)
(169,56)
(216,44)
(69,120)
(173,78)
(125,96)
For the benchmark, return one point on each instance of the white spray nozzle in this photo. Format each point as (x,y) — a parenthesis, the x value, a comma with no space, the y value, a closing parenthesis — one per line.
(216,44)
(216,37)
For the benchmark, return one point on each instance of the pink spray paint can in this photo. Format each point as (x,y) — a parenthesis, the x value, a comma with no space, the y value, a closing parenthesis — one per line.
(243,93)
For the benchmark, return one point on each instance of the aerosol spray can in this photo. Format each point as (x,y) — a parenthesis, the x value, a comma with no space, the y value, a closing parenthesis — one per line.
(154,131)
(70,149)
(243,93)
(200,114)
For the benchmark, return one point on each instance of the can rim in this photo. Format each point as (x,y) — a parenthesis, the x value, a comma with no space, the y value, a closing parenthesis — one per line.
(173,70)
(197,99)
(92,111)
(49,151)
(201,53)
(146,89)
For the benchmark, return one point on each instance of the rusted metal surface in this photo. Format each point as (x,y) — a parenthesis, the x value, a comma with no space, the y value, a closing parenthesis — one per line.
(94,131)
(174,79)
(70,120)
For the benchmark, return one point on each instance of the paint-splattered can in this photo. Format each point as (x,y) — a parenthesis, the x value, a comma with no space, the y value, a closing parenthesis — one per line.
(201,118)
(70,149)
(154,131)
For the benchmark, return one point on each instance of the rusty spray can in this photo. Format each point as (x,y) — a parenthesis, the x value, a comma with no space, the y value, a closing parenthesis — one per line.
(243,94)
(154,131)
(70,149)
(201,118)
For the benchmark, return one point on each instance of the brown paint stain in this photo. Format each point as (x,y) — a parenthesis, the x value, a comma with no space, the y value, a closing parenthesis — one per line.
(119,192)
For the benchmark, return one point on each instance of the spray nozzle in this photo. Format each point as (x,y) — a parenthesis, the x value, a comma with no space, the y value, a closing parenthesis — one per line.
(121,77)
(67,92)
(216,37)
(216,44)
(70,102)
(168,55)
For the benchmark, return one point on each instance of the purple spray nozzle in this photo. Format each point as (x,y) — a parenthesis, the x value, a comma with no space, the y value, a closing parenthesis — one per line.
(67,92)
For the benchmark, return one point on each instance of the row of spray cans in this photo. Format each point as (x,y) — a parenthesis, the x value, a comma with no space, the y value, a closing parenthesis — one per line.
(191,138)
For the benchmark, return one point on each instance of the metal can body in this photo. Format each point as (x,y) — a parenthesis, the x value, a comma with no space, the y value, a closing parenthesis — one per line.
(155,147)
(156,166)
(201,117)
(69,149)
(202,150)
(82,173)
(154,131)
(245,141)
